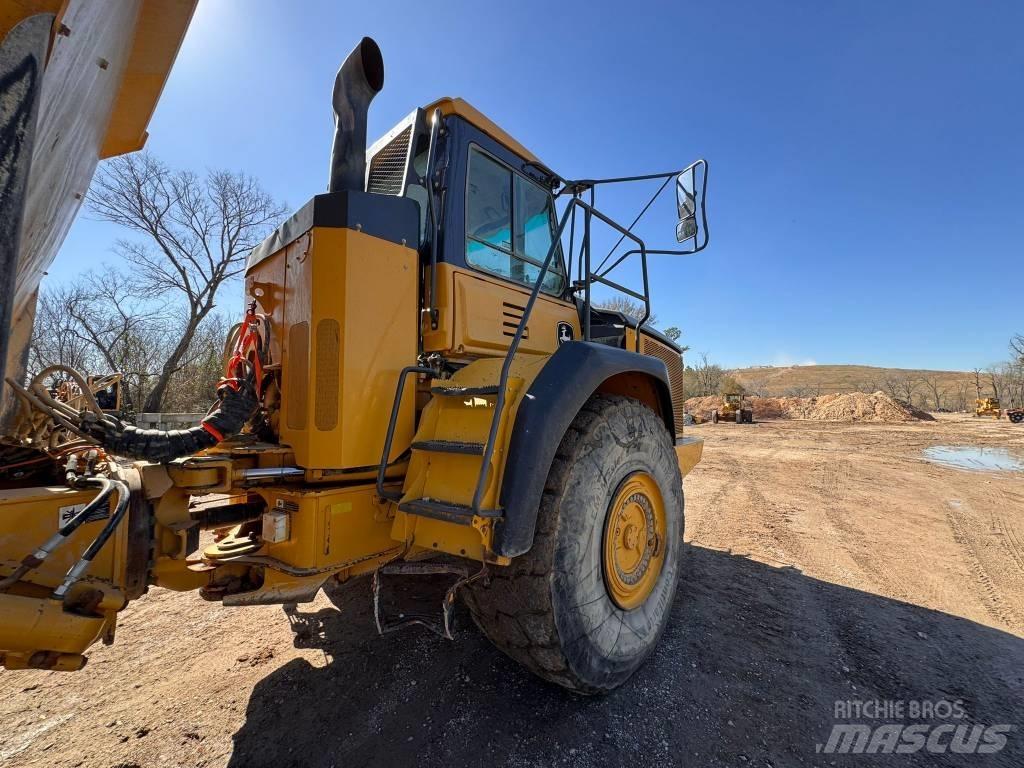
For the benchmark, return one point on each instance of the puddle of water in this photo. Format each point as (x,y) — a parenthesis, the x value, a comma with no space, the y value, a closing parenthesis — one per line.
(978,459)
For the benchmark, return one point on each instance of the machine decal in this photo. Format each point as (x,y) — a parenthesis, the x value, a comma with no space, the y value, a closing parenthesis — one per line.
(564,332)
(64,514)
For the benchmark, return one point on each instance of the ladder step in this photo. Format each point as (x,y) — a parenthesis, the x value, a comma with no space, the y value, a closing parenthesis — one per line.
(450,446)
(444,510)
(464,391)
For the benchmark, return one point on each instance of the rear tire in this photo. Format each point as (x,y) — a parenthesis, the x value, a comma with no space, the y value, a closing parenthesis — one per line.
(558,609)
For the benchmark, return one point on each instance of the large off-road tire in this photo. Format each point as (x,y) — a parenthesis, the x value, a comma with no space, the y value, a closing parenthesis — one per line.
(611,514)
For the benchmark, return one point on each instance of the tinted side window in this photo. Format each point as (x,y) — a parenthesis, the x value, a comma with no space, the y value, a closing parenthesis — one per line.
(509,224)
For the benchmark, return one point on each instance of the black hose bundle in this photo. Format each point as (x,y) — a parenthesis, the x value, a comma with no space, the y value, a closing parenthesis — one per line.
(238,397)
(227,417)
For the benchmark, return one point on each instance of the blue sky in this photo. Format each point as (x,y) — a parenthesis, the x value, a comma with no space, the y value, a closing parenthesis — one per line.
(867,159)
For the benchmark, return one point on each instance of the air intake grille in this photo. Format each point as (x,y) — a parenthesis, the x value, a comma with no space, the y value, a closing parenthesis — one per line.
(674,362)
(387,168)
(511,316)
(297,375)
(328,373)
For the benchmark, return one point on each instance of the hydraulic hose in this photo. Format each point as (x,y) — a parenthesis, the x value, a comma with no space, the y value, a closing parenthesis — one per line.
(238,397)
(34,560)
(232,410)
(73,575)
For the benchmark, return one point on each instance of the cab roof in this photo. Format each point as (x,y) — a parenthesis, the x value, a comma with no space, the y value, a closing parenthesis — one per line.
(469,113)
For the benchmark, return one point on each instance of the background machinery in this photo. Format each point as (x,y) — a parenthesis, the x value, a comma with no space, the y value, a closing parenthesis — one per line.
(732,410)
(420,371)
(987,406)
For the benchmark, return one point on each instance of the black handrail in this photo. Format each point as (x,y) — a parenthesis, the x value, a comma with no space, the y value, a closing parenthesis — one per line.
(589,277)
(588,212)
(390,436)
(435,130)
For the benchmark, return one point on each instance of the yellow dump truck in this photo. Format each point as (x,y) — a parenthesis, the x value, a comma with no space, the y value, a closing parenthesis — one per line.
(420,372)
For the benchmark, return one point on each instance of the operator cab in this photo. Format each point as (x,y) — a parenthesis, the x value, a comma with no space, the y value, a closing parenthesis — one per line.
(495,212)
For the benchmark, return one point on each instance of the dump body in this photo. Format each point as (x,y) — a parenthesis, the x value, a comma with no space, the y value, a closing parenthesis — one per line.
(89,74)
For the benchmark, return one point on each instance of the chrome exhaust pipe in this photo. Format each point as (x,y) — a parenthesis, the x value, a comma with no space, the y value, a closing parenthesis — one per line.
(359,79)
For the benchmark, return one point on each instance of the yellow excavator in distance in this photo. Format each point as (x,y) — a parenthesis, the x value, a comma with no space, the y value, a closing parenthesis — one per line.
(420,386)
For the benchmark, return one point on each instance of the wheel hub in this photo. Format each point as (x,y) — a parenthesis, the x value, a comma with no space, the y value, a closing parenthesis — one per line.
(634,533)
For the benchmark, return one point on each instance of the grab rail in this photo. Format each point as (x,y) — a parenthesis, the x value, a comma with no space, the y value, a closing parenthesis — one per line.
(588,212)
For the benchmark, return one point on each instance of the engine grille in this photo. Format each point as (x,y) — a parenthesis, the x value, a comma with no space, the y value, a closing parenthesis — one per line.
(387,168)
(674,362)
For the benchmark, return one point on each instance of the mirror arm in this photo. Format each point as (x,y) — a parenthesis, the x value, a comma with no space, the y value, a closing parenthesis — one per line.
(638,217)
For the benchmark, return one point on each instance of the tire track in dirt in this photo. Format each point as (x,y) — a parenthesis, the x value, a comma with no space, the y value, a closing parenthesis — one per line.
(775,519)
(990,593)
(1009,536)
(833,479)
(709,521)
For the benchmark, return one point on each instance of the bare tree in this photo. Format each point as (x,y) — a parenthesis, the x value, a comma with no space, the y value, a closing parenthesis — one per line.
(1017,348)
(891,385)
(708,376)
(730,385)
(934,386)
(108,329)
(962,395)
(54,340)
(907,388)
(868,385)
(995,379)
(196,235)
(757,384)
(626,306)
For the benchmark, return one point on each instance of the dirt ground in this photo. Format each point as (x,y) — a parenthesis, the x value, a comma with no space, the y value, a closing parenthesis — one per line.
(824,563)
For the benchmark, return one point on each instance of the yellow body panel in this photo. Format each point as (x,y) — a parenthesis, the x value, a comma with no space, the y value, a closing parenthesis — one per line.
(453,477)
(479,314)
(36,631)
(688,452)
(344,325)
(331,528)
(29,516)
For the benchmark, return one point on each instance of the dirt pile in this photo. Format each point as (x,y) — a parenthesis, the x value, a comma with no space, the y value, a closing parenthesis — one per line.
(849,406)
(857,406)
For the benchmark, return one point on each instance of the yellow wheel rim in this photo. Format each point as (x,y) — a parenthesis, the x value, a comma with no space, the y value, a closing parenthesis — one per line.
(634,541)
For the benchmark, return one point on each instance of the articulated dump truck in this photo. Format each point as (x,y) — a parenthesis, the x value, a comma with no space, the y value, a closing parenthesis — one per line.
(420,387)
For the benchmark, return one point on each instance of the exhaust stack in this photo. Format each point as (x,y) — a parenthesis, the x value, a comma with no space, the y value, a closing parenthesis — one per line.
(359,79)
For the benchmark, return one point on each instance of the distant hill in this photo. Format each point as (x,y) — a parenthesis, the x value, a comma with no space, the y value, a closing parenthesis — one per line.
(956,388)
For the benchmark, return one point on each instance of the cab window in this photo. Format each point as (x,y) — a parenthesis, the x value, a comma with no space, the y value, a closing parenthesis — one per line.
(509,224)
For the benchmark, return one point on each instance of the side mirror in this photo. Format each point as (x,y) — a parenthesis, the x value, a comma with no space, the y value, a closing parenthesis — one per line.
(691,191)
